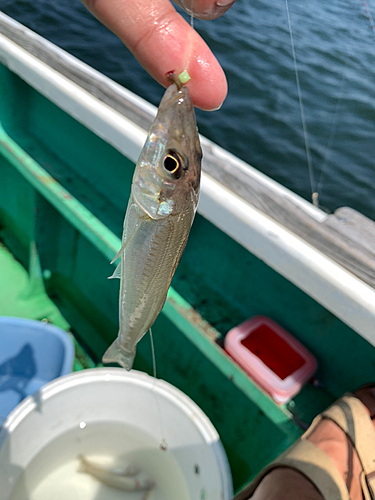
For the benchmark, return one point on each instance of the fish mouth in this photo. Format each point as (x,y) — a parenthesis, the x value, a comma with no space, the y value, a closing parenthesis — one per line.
(176,97)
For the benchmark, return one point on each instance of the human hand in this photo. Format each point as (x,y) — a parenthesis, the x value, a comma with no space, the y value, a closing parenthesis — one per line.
(163,41)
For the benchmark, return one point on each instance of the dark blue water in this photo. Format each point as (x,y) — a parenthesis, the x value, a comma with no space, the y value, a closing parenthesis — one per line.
(260,120)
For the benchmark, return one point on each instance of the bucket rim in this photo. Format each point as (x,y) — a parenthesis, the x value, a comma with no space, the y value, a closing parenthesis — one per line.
(119,375)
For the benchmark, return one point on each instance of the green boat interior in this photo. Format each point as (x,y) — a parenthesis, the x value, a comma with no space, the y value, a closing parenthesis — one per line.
(63,195)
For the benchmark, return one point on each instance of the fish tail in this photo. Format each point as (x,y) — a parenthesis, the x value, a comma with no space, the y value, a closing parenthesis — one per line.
(114,354)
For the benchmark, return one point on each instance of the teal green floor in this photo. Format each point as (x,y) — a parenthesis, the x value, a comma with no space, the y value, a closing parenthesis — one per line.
(22,295)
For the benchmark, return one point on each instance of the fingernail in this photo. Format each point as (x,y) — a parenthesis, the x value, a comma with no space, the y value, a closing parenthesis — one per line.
(224,3)
(216,109)
(216,10)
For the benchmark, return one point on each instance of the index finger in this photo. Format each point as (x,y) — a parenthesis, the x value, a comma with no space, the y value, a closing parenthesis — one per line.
(163,41)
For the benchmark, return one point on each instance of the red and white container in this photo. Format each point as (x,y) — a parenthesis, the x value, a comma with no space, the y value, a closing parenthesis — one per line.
(277,361)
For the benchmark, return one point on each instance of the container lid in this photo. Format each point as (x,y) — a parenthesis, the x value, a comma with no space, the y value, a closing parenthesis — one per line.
(32,353)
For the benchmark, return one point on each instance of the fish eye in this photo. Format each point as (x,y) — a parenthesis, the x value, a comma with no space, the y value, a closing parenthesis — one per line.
(173,163)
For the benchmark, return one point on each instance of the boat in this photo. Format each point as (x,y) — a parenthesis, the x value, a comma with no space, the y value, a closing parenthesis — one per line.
(69,140)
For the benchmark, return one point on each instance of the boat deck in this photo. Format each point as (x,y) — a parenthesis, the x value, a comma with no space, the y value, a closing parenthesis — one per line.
(53,200)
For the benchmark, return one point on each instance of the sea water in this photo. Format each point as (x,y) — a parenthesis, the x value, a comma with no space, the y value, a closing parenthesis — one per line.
(54,473)
(260,120)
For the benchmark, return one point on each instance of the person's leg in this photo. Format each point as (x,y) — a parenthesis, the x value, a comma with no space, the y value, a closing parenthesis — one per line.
(287,484)
(336,444)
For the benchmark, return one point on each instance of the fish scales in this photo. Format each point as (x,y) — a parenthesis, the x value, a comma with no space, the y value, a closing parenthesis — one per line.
(146,283)
(158,219)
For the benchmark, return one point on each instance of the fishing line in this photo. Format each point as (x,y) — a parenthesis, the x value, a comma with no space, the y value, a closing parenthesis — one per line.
(369,17)
(153,354)
(331,135)
(191,9)
(338,108)
(163,442)
(315,198)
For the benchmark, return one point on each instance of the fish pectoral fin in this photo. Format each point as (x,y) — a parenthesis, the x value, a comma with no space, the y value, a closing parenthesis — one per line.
(130,237)
(149,493)
(132,470)
(116,273)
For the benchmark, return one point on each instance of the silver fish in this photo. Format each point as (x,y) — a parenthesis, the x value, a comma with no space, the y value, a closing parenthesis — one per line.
(161,209)
(129,479)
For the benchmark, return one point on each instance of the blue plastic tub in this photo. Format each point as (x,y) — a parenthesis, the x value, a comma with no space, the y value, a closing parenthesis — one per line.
(31,354)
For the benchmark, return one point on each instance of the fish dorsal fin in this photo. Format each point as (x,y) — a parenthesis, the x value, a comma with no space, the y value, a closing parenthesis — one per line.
(116,273)
(129,238)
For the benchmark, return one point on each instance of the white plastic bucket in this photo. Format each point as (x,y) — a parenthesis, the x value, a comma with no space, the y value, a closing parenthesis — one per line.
(104,398)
